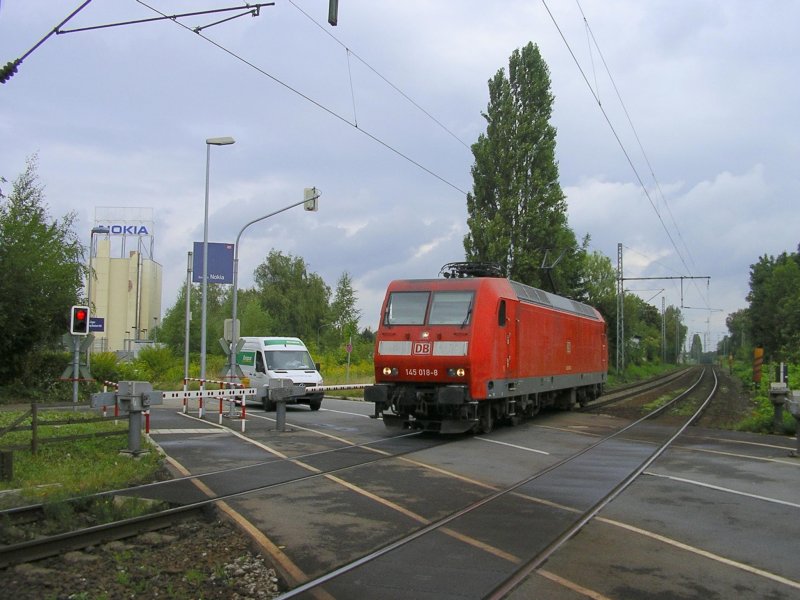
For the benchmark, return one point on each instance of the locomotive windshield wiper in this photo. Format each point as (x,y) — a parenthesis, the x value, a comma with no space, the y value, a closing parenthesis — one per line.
(469,313)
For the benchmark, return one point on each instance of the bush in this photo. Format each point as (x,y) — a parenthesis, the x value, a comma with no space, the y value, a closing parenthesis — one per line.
(105,367)
(761,419)
(154,363)
(39,378)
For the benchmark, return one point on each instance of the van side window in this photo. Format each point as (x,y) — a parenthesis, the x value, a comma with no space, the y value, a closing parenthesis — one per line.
(501,314)
(260,363)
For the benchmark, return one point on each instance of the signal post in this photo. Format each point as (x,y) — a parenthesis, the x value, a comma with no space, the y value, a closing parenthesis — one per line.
(81,339)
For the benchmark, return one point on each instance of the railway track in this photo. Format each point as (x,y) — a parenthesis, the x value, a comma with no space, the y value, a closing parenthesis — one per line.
(488,547)
(189,496)
(631,391)
(270,474)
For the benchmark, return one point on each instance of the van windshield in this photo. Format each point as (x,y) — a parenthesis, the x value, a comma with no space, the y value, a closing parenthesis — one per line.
(284,360)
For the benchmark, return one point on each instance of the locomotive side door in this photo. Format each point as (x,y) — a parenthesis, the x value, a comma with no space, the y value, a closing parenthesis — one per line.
(507,332)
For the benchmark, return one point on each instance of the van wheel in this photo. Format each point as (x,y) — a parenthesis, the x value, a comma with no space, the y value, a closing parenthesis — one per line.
(269,405)
(315,404)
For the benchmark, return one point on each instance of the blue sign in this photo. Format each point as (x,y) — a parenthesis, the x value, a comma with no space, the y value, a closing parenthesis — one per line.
(220,263)
(97,324)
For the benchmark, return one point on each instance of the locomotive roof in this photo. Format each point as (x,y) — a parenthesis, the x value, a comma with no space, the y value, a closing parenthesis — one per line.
(525,293)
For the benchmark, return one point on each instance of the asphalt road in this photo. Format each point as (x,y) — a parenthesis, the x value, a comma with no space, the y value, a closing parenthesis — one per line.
(715,517)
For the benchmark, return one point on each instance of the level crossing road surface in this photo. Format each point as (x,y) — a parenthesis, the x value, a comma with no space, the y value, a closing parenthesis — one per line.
(715,517)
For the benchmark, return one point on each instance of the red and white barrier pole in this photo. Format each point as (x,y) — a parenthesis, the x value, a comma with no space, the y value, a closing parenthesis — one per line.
(147,421)
(244,410)
(220,410)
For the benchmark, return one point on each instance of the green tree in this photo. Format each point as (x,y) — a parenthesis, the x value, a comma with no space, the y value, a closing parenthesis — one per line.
(517,210)
(696,350)
(295,300)
(675,332)
(343,313)
(738,324)
(41,261)
(775,305)
(599,282)
(173,327)
(253,319)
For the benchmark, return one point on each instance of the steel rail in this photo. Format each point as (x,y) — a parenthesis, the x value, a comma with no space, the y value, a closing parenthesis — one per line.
(131,491)
(435,525)
(98,534)
(519,576)
(52,545)
(81,538)
(622,394)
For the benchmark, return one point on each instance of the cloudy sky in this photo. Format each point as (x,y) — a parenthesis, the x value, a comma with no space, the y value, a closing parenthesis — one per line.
(379,114)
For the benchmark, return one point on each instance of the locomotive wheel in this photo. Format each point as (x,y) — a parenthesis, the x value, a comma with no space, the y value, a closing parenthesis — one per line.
(486,419)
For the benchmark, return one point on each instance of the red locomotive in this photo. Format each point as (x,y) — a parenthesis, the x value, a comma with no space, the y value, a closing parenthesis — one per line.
(460,353)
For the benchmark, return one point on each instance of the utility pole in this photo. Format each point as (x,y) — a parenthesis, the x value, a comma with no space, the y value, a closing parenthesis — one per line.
(621,279)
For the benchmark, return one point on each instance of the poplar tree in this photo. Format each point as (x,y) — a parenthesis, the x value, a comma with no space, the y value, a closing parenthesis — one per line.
(344,314)
(517,210)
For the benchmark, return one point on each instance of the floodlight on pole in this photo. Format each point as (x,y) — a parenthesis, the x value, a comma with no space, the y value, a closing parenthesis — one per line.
(217,141)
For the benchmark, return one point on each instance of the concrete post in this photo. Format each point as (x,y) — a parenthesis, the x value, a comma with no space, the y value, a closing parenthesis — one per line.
(793,404)
(777,395)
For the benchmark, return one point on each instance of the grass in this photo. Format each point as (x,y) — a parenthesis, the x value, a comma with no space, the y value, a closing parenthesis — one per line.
(635,373)
(67,469)
(762,417)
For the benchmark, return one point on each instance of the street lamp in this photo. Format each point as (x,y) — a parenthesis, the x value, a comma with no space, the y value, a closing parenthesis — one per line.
(218,141)
(310,197)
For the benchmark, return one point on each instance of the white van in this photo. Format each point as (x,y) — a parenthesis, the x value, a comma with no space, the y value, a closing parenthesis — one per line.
(265,358)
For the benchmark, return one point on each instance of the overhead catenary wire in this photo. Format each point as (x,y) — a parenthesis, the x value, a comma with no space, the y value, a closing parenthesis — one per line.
(316,103)
(614,132)
(381,76)
(616,135)
(11,68)
(590,33)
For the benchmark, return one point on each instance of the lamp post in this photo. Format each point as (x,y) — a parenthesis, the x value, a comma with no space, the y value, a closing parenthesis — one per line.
(310,196)
(218,141)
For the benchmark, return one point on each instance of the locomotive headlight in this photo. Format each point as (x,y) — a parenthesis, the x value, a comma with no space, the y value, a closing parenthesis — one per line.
(390,371)
(460,372)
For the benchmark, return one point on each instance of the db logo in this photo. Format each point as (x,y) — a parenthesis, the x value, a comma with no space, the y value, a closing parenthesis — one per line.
(421,348)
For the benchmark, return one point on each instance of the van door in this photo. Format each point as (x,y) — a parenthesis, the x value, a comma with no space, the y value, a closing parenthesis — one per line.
(260,378)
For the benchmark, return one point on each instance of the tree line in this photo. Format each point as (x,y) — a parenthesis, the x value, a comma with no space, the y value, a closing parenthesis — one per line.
(772,319)
(517,219)
(286,299)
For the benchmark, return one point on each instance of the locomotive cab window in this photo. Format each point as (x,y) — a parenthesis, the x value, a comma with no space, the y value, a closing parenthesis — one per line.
(451,308)
(406,308)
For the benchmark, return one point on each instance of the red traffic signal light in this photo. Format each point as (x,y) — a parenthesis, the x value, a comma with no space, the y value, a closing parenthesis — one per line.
(79,320)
